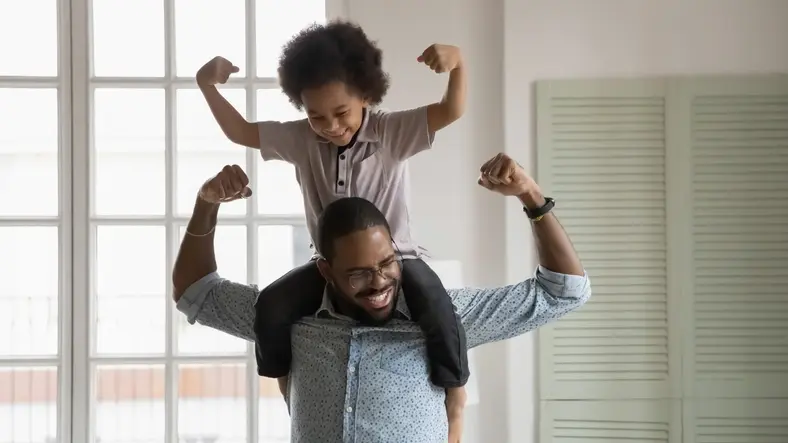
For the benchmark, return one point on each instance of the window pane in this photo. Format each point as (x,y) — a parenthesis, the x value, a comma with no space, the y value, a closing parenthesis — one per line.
(29,295)
(277,22)
(28,30)
(129,404)
(273,418)
(28,151)
(129,136)
(277,191)
(131,274)
(207,28)
(281,248)
(231,254)
(28,405)
(212,403)
(128,38)
(203,149)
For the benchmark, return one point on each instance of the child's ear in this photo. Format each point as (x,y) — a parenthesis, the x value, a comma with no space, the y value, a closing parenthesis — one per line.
(324,268)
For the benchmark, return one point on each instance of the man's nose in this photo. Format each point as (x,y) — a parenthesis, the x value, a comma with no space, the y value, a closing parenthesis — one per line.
(379,281)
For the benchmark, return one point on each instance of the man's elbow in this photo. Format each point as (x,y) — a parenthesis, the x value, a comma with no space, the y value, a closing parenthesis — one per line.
(178,285)
(578,291)
(181,280)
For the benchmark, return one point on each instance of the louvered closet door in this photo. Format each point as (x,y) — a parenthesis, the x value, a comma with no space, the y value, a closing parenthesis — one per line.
(601,154)
(738,341)
(618,421)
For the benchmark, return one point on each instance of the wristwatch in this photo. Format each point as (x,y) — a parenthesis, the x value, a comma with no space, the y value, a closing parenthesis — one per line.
(538,213)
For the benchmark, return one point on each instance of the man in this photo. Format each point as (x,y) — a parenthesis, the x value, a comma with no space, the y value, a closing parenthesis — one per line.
(359,370)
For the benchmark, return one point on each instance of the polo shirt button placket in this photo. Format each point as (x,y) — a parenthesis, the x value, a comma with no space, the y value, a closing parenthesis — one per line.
(341,173)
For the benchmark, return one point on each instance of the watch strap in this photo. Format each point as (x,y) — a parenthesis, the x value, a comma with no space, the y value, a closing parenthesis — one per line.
(537,213)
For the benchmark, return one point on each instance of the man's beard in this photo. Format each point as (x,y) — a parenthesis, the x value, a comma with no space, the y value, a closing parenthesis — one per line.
(354,311)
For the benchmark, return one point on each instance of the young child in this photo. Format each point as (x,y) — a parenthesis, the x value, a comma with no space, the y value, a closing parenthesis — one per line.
(345,148)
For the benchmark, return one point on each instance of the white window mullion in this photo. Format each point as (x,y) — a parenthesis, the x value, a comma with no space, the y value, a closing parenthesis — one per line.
(252,379)
(65,319)
(79,64)
(171,368)
(31,362)
(37,82)
(158,82)
(178,220)
(32,221)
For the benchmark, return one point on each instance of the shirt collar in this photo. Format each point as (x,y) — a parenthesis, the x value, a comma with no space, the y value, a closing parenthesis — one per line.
(366,132)
(327,309)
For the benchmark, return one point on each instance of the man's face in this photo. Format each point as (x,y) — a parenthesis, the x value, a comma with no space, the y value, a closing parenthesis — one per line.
(365,274)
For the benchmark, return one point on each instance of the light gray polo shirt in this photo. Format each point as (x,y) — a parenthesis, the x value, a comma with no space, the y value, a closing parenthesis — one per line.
(373,168)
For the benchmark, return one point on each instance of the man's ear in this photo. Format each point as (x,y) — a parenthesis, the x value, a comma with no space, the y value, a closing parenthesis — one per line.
(325,269)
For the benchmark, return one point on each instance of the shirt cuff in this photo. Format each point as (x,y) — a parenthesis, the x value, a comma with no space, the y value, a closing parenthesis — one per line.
(193,298)
(566,285)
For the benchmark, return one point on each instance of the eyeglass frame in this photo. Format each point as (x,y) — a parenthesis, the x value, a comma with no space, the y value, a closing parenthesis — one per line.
(369,274)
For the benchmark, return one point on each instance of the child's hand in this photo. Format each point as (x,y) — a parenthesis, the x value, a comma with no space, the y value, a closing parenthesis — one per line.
(217,70)
(441,58)
(455,409)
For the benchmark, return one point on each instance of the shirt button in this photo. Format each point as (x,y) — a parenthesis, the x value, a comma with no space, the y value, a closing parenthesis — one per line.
(341,183)
(349,409)
(352,369)
(342,157)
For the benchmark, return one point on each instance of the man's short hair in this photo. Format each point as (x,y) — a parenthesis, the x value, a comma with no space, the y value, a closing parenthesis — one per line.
(344,217)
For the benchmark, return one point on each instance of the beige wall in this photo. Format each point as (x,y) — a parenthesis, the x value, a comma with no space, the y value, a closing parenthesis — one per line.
(509,44)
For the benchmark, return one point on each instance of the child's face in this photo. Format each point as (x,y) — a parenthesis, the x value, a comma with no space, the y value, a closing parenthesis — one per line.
(334,112)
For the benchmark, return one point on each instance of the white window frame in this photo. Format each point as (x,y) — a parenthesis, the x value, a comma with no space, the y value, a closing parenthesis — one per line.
(62,361)
(77,224)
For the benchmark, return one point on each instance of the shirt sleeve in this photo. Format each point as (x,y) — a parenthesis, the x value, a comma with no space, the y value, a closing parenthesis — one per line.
(221,304)
(495,314)
(283,140)
(404,133)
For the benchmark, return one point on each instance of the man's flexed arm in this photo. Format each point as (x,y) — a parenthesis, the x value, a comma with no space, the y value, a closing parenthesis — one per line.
(559,286)
(503,175)
(196,257)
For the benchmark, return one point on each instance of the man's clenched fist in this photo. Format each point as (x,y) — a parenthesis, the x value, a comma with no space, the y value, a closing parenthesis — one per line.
(228,185)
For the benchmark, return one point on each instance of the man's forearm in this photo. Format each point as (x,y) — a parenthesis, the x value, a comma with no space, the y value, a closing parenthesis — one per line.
(196,257)
(554,247)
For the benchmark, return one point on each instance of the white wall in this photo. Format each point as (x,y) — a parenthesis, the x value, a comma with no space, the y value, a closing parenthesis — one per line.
(509,44)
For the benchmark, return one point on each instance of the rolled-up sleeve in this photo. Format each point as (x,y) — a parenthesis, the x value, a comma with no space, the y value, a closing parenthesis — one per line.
(220,304)
(495,314)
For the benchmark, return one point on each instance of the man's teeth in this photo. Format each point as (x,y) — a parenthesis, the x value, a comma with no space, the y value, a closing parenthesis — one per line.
(379,297)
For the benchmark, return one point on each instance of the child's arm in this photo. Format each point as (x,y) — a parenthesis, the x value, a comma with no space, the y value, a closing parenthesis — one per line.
(446,58)
(233,124)
(406,133)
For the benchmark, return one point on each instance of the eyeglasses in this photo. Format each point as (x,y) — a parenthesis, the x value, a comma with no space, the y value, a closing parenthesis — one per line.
(363,278)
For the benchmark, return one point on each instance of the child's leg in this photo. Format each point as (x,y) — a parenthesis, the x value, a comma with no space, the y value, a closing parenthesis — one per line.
(280,304)
(431,306)
(455,411)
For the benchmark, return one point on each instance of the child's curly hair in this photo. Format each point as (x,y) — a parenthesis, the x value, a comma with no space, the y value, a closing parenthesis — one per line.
(338,51)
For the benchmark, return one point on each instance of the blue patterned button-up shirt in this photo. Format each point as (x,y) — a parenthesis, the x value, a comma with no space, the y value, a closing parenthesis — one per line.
(356,384)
